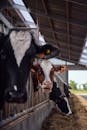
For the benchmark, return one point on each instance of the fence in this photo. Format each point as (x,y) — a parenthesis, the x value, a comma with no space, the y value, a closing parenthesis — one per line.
(33,98)
(12,111)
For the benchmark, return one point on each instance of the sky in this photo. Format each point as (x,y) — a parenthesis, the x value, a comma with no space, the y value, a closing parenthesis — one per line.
(79,76)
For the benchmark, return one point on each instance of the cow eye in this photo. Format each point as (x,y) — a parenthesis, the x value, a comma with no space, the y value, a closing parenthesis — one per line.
(39,71)
(48,51)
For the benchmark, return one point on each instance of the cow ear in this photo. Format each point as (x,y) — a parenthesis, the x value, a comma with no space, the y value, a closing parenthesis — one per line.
(60,69)
(48,51)
(57,68)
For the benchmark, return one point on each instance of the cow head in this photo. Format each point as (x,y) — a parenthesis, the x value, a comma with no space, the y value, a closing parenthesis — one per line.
(47,51)
(18,50)
(60,99)
(43,73)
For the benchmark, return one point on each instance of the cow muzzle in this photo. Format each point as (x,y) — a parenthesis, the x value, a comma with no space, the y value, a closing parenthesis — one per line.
(16,97)
(47,86)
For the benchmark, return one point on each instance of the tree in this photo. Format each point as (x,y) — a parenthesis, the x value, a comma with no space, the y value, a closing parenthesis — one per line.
(73,84)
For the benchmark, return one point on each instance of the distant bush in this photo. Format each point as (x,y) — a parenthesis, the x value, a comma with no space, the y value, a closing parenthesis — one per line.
(73,84)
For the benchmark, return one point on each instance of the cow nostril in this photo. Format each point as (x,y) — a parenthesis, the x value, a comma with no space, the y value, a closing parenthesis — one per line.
(47,82)
(15,88)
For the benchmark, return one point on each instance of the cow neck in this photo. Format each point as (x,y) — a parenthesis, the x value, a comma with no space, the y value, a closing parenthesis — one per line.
(20,42)
(58,85)
(55,80)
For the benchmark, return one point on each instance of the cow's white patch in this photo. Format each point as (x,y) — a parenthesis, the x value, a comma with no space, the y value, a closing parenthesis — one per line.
(46,67)
(20,41)
(15,88)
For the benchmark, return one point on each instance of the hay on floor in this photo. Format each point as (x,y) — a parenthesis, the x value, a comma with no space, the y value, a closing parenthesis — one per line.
(76,121)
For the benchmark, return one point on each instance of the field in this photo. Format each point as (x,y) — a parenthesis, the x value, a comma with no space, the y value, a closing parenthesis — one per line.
(79,91)
(76,121)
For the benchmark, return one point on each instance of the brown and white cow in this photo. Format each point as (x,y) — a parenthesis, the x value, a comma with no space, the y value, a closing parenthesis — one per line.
(43,73)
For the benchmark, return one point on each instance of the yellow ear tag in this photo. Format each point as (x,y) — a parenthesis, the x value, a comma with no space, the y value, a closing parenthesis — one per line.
(48,51)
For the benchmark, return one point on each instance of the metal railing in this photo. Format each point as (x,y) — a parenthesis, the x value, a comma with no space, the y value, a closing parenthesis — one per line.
(33,99)
(13,111)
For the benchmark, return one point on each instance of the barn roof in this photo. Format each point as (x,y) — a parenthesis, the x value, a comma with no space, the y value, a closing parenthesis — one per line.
(62,22)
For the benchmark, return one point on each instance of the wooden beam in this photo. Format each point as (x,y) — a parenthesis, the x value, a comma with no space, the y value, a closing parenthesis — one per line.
(60,18)
(76,67)
(68,29)
(74,58)
(50,40)
(63,44)
(76,54)
(71,60)
(61,32)
(50,20)
(77,3)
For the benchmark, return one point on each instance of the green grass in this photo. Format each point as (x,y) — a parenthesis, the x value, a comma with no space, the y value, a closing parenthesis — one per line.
(79,91)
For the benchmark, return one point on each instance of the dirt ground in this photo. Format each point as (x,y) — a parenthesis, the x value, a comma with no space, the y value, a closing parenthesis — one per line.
(76,121)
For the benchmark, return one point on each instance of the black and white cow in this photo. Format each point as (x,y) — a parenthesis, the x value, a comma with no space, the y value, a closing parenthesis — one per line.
(45,76)
(17,51)
(60,98)
(65,88)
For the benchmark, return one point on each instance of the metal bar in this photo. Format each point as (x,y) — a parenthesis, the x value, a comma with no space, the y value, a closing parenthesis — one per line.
(5,21)
(22,28)
(25,114)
